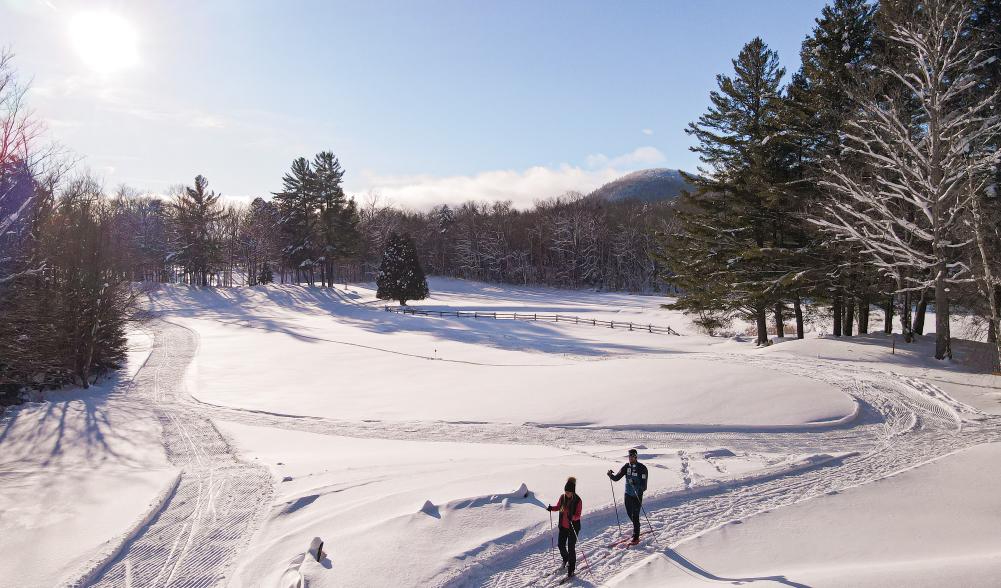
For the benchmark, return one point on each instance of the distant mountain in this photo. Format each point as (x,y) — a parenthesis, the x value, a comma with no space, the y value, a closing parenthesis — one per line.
(648,185)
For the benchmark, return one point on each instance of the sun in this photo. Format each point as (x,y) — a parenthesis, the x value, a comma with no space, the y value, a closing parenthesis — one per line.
(105,41)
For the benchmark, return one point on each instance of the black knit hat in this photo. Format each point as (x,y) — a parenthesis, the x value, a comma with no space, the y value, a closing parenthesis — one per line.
(632,452)
(571,485)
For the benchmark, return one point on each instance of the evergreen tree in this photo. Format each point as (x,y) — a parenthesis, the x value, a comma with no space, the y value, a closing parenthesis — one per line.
(722,251)
(195,213)
(401,276)
(837,63)
(338,216)
(299,206)
(266,276)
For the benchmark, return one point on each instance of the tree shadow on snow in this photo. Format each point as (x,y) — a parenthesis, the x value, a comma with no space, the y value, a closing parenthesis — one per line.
(76,428)
(249,308)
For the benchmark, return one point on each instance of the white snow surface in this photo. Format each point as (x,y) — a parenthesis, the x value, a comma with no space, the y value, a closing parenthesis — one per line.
(414,510)
(408,444)
(77,474)
(339,360)
(935,525)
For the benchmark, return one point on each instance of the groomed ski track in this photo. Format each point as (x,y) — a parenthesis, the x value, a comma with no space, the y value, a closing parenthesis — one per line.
(197,536)
(198,533)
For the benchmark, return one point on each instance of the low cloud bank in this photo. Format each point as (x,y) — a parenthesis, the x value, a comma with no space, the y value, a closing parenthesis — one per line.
(522,187)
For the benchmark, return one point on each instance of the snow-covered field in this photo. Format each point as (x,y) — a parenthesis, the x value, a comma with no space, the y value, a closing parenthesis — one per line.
(311,352)
(422,450)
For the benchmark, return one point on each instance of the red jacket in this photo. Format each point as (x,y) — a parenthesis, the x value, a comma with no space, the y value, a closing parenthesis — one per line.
(575,504)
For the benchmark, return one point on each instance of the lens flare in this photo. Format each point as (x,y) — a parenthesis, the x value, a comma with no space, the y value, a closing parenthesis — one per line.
(105,41)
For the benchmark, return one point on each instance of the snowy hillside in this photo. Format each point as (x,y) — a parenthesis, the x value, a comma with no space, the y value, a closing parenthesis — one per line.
(648,185)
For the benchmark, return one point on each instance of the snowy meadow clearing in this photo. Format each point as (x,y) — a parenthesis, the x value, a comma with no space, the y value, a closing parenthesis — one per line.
(422,450)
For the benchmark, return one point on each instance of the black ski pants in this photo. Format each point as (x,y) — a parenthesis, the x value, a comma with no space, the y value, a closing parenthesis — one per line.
(633,505)
(568,546)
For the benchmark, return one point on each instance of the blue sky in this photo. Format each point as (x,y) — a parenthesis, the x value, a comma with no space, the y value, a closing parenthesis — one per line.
(422,101)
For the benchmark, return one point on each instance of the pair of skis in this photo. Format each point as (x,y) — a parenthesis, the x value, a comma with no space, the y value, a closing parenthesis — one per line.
(622,543)
(625,542)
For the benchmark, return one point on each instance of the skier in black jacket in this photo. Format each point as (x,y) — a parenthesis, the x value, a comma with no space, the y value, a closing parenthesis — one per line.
(636,478)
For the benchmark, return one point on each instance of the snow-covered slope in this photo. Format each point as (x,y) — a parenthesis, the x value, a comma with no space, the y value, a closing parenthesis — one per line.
(309,352)
(410,512)
(936,525)
(649,185)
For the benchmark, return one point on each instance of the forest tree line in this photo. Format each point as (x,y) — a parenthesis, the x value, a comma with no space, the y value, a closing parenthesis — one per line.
(77,256)
(870,178)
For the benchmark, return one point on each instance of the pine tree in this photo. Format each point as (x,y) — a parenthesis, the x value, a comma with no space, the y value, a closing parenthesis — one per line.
(299,205)
(837,59)
(195,213)
(338,216)
(266,276)
(401,276)
(722,253)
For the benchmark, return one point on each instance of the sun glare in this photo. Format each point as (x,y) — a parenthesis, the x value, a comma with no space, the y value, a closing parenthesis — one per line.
(105,41)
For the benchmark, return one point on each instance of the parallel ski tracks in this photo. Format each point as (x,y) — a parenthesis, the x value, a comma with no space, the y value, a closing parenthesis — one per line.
(198,534)
(920,424)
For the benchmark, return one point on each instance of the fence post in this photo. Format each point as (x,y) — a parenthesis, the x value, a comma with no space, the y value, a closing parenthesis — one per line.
(576,320)
(516,316)
(650,328)
(630,326)
(475,314)
(611,325)
(557,318)
(535,316)
(594,323)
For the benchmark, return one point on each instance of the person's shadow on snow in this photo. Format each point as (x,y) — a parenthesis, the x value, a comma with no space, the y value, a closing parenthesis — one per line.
(696,569)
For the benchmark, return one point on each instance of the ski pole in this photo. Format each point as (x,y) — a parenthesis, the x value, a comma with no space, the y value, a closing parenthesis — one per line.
(642,509)
(616,504)
(587,566)
(648,523)
(552,542)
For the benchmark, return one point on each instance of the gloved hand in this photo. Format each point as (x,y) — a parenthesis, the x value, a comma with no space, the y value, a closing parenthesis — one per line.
(610,473)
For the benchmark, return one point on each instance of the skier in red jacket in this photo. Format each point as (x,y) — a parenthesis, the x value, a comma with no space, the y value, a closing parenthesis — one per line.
(569,506)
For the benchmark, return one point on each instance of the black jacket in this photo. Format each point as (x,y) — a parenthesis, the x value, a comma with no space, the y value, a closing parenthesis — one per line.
(636,478)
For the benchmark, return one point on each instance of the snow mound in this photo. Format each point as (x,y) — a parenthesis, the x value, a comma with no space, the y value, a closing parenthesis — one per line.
(430,509)
(521,492)
(721,452)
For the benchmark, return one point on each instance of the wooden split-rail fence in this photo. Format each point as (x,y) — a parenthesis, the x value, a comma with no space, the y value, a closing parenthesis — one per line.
(531,316)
